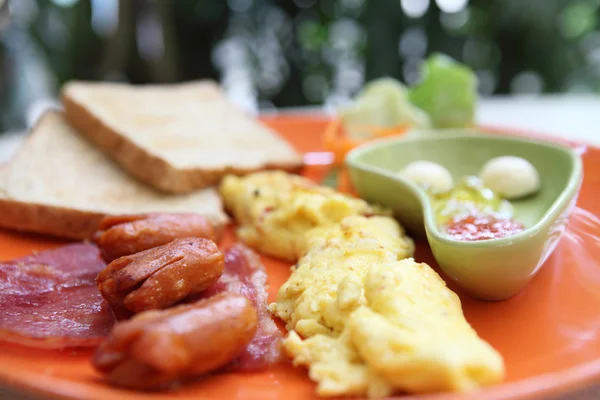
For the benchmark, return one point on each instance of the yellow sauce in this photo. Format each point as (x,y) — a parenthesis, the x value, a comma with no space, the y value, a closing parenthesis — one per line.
(469,196)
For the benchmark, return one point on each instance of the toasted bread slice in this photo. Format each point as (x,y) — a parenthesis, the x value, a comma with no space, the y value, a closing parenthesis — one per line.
(59,184)
(176,138)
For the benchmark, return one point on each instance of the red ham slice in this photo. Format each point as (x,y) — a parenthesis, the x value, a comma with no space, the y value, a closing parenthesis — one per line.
(245,274)
(50,299)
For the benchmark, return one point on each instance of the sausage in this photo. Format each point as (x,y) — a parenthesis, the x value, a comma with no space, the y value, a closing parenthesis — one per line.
(123,235)
(157,348)
(160,277)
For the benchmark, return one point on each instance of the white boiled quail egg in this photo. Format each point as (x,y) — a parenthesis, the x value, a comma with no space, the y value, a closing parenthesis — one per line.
(429,175)
(510,177)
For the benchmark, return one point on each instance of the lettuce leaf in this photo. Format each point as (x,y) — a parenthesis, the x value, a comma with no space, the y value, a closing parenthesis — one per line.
(447,92)
(383,102)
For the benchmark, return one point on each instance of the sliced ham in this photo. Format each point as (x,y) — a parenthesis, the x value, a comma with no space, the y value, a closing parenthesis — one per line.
(246,275)
(50,299)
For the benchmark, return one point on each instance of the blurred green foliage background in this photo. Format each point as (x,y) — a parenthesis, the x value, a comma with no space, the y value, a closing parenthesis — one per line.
(277,53)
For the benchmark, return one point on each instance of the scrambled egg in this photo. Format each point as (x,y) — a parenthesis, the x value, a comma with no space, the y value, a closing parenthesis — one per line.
(363,317)
(275,209)
(367,320)
(326,285)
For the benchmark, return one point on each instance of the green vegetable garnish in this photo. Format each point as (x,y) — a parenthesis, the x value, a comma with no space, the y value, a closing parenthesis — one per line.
(447,92)
(395,101)
(382,103)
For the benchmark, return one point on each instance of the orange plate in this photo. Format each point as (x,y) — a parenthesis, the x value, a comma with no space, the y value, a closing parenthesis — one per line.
(549,334)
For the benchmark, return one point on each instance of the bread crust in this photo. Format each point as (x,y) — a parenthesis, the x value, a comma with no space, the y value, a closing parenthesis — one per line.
(50,220)
(62,222)
(148,167)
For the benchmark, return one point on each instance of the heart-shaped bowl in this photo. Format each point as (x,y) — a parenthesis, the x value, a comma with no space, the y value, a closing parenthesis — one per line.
(494,269)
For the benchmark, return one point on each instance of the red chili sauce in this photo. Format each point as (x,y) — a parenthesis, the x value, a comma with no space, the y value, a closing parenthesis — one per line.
(478,226)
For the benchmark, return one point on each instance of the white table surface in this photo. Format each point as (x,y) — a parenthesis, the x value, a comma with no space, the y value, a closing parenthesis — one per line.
(574,117)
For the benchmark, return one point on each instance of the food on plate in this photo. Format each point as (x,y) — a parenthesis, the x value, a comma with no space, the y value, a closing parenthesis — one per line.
(326,284)
(161,276)
(429,175)
(366,320)
(59,184)
(68,286)
(444,97)
(469,196)
(480,226)
(447,92)
(384,103)
(472,212)
(478,209)
(363,316)
(123,235)
(511,177)
(275,209)
(50,300)
(158,348)
(224,325)
(178,137)
(245,274)
(410,308)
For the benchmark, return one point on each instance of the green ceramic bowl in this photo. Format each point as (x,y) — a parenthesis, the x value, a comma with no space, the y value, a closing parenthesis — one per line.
(491,269)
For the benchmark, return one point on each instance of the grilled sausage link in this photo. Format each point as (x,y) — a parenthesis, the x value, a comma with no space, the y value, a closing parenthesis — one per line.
(156,348)
(123,235)
(160,277)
